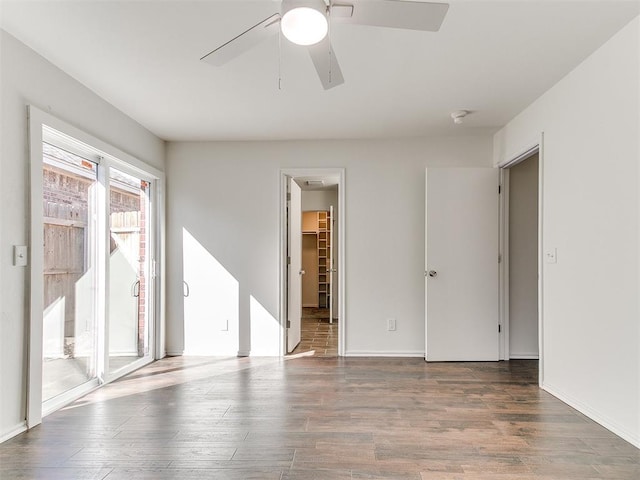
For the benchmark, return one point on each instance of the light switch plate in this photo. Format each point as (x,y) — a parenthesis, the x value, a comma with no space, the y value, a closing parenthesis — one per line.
(20,255)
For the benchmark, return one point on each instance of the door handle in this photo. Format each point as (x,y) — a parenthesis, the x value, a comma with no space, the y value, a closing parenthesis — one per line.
(135,289)
(432,273)
(302,272)
(185,289)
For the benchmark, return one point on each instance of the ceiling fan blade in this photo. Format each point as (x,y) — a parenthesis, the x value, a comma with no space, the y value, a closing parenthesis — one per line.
(243,42)
(409,15)
(326,64)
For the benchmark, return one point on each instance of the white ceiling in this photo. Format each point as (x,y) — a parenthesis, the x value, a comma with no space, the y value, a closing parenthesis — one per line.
(493,58)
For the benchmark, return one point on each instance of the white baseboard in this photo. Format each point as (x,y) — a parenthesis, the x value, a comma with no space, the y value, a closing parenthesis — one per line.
(379,353)
(524,356)
(244,353)
(17,430)
(622,431)
(174,353)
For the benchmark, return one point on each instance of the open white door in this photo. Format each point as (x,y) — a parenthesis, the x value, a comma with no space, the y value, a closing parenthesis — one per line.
(461,274)
(295,272)
(330,267)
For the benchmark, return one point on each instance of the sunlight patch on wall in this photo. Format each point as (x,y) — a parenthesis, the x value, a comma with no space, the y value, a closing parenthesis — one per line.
(265,330)
(211,303)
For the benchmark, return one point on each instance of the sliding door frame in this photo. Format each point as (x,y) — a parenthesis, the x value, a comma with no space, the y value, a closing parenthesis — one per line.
(106,156)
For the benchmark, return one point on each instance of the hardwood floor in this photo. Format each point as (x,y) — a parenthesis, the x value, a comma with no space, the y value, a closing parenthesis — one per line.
(320,419)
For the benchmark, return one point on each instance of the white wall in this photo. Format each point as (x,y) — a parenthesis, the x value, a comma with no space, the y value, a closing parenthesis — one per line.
(227,196)
(319,199)
(591,151)
(523,259)
(27,78)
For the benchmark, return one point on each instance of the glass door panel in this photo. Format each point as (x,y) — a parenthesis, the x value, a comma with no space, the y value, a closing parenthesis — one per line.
(70,322)
(128,269)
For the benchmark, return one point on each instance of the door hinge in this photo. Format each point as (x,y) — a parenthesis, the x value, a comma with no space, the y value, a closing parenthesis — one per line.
(499,328)
(499,189)
(288,197)
(499,258)
(288,323)
(288,260)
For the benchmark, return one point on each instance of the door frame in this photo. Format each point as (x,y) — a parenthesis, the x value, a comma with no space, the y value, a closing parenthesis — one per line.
(105,155)
(531,148)
(286,173)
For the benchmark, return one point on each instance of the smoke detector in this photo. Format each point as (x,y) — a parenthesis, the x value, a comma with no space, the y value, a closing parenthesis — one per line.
(458,115)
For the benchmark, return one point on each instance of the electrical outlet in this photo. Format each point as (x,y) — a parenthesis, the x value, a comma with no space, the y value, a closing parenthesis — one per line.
(391,324)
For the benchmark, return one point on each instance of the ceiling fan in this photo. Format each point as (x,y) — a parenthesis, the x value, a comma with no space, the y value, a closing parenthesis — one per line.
(306,23)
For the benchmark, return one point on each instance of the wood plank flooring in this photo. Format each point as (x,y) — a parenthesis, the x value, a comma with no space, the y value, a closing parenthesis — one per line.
(320,419)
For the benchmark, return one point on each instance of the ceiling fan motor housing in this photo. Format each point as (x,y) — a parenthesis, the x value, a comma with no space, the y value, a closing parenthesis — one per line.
(318,5)
(304,22)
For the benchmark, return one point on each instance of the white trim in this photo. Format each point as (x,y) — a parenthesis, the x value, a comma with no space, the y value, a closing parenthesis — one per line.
(36,119)
(17,430)
(509,161)
(65,398)
(540,260)
(244,353)
(102,246)
(282,262)
(524,356)
(80,141)
(503,292)
(311,172)
(385,353)
(127,369)
(426,260)
(521,154)
(174,353)
(159,256)
(620,430)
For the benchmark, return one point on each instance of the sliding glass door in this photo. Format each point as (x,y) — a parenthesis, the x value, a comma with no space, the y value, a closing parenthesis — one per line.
(94,237)
(70,320)
(128,269)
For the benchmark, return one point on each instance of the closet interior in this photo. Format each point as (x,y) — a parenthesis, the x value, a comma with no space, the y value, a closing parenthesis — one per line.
(316,258)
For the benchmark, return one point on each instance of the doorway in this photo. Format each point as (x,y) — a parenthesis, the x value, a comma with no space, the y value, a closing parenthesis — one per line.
(520,238)
(312,249)
(319,323)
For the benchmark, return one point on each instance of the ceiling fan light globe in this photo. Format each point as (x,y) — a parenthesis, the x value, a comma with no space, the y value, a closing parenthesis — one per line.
(304,25)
